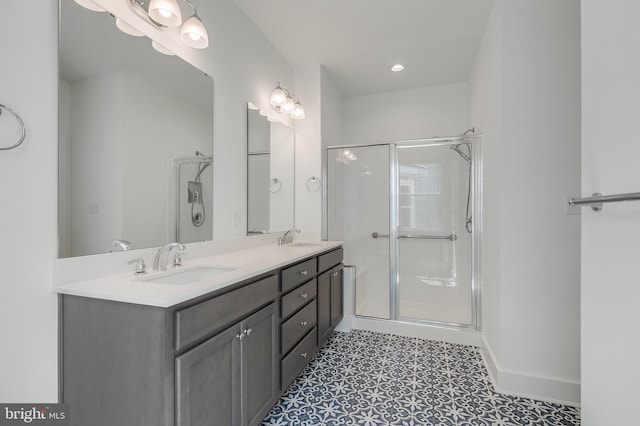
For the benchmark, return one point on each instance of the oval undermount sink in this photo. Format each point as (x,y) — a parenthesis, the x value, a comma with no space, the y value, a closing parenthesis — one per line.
(188,275)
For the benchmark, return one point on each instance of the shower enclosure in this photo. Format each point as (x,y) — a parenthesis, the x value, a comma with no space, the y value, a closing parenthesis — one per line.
(406,213)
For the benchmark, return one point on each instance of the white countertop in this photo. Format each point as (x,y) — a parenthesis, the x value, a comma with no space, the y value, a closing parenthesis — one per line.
(247,263)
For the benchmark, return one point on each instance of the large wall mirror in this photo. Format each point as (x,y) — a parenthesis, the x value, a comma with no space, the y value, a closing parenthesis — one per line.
(135,142)
(270,180)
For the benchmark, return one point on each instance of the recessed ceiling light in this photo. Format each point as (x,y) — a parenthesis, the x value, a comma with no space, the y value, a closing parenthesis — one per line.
(397,68)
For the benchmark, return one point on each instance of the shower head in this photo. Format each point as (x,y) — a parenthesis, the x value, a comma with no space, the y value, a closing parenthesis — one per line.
(198,153)
(461,153)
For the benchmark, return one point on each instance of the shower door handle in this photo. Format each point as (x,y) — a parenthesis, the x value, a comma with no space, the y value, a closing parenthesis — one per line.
(450,237)
(377,235)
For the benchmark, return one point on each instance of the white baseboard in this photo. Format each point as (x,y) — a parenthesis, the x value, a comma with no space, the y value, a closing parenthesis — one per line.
(528,386)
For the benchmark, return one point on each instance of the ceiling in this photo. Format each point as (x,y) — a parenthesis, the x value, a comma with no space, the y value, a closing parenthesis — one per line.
(357,41)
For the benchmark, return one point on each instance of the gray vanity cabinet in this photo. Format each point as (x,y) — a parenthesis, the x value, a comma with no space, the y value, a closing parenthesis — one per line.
(220,359)
(330,294)
(230,379)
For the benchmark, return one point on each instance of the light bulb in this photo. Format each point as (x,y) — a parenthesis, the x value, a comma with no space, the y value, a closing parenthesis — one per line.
(165,12)
(194,34)
(298,112)
(289,105)
(278,97)
(160,48)
(88,4)
(126,28)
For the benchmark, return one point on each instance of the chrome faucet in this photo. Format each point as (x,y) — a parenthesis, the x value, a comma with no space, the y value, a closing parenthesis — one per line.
(287,238)
(122,245)
(160,264)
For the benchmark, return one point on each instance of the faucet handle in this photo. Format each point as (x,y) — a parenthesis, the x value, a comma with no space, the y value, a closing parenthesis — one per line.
(176,261)
(141,267)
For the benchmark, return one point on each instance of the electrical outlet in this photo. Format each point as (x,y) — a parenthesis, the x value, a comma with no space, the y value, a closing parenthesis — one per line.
(568,208)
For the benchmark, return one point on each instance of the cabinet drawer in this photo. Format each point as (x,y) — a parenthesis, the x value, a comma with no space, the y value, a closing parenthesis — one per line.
(298,274)
(328,260)
(297,326)
(298,298)
(294,363)
(197,321)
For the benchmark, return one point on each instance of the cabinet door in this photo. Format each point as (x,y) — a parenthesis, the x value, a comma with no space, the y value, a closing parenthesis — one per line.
(324,307)
(260,364)
(337,295)
(208,382)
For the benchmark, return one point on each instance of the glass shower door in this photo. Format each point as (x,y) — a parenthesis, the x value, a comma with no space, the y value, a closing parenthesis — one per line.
(432,242)
(357,206)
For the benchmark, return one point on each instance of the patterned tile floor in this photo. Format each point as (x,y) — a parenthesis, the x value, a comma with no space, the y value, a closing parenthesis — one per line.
(365,378)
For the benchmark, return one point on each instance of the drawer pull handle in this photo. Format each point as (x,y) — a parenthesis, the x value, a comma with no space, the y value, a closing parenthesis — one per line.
(304,295)
(303,354)
(303,272)
(247,331)
(303,323)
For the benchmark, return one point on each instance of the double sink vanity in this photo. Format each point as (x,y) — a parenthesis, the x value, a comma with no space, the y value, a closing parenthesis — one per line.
(216,341)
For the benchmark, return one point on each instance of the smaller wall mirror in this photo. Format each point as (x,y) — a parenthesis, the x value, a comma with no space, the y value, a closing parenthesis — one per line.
(270,174)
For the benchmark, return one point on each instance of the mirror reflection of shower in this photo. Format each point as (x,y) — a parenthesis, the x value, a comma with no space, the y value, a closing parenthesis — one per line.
(198,210)
(193,189)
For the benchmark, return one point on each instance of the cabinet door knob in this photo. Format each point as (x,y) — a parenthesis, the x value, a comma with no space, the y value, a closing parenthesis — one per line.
(247,331)
(304,295)
(303,272)
(303,323)
(239,336)
(303,354)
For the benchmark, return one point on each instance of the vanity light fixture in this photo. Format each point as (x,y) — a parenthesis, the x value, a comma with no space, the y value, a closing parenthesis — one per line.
(162,14)
(285,102)
(88,4)
(128,29)
(161,49)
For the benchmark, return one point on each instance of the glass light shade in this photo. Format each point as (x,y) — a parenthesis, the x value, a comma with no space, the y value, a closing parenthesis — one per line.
(298,112)
(160,48)
(289,105)
(194,34)
(126,28)
(88,4)
(278,97)
(165,12)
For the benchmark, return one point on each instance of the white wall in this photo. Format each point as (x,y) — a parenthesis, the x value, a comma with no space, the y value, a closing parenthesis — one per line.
(332,110)
(245,67)
(610,249)
(308,141)
(407,114)
(531,288)
(28,307)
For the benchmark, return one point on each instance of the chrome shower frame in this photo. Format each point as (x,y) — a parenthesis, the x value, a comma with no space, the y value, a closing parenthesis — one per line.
(475,141)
